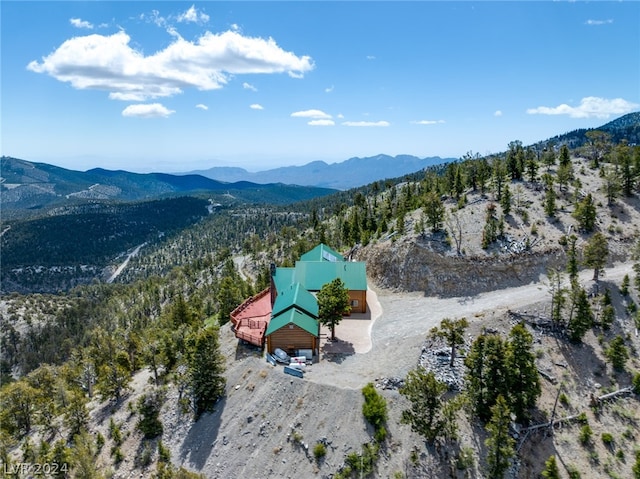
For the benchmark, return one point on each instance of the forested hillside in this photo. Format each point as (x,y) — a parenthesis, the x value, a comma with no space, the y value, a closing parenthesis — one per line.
(93,377)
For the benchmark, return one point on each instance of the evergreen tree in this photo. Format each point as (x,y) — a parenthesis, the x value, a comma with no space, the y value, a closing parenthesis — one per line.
(531,165)
(206,368)
(452,331)
(424,392)
(582,320)
(229,297)
(434,210)
(524,382)
(549,196)
(595,254)
(617,353)
(572,258)
(551,469)
(585,214)
(487,374)
(333,304)
(505,201)
(500,444)
(490,231)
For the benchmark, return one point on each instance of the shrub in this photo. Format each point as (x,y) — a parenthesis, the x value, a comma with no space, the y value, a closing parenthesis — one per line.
(585,435)
(573,472)
(607,439)
(319,451)
(374,408)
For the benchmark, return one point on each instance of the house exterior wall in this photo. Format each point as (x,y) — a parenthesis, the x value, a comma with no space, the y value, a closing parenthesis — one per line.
(358,301)
(291,337)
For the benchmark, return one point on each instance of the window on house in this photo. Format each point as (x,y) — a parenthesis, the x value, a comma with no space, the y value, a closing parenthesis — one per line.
(354,303)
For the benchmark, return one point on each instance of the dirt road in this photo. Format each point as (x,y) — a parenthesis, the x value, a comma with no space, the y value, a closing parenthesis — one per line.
(404,320)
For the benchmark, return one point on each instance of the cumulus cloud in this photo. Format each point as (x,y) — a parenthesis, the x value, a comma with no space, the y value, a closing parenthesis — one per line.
(249,86)
(497,113)
(202,106)
(329,89)
(147,110)
(599,22)
(321,123)
(366,123)
(193,16)
(316,114)
(110,63)
(79,23)
(589,107)
(427,122)
(256,106)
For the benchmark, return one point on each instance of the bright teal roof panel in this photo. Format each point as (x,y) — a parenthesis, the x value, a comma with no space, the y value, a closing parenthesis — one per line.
(284,278)
(297,317)
(315,274)
(295,295)
(322,253)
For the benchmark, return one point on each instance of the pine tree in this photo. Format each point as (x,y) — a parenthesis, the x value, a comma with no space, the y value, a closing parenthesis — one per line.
(434,210)
(551,469)
(572,258)
(505,201)
(206,368)
(595,254)
(524,382)
(500,444)
(582,319)
(617,353)
(487,374)
(452,331)
(333,304)
(585,214)
(424,392)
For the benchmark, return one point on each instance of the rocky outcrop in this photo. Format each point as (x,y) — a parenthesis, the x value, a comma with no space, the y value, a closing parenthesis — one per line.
(407,265)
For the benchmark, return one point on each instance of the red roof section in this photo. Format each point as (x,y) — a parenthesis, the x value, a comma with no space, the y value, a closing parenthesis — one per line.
(251,318)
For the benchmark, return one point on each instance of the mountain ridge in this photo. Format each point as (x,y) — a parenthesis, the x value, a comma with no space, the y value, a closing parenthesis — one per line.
(353,172)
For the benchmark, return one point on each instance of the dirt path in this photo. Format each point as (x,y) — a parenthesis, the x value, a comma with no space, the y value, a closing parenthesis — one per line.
(124,264)
(397,334)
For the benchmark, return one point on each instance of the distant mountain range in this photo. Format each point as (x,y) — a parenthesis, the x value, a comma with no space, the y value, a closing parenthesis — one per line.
(37,187)
(351,173)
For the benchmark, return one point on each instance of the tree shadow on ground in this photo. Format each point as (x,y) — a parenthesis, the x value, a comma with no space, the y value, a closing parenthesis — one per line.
(202,437)
(336,351)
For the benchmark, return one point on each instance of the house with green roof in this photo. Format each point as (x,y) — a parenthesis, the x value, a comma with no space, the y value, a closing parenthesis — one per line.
(293,320)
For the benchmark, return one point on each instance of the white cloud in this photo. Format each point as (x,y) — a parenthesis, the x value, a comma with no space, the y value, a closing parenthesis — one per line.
(371,57)
(202,106)
(427,122)
(235,27)
(110,63)
(193,16)
(340,115)
(329,89)
(317,114)
(321,123)
(366,123)
(590,107)
(497,113)
(249,86)
(256,106)
(599,22)
(79,23)
(147,110)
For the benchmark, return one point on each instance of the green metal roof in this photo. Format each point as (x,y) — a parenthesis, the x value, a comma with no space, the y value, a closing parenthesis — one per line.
(283,278)
(315,274)
(297,317)
(322,253)
(295,295)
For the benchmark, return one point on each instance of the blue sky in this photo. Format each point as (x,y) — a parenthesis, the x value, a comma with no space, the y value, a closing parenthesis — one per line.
(173,86)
